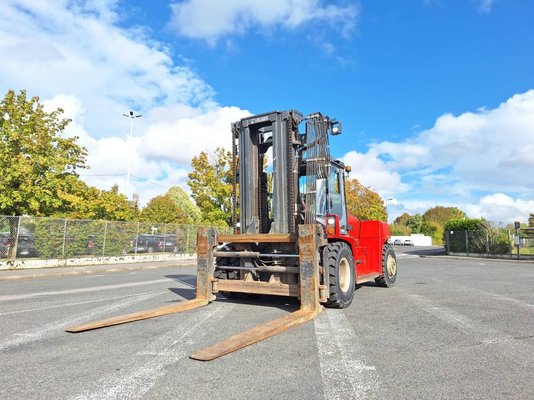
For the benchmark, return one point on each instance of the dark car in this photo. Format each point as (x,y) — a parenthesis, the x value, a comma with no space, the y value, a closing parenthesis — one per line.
(147,243)
(25,246)
(4,245)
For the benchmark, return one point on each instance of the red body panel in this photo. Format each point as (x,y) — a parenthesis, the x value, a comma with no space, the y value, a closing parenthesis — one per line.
(366,239)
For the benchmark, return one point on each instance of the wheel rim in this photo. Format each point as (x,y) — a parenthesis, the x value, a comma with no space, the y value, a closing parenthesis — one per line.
(344,275)
(392,266)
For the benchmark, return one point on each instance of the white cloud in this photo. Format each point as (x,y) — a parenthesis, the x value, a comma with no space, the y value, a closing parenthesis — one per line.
(500,207)
(75,56)
(74,47)
(490,150)
(371,171)
(213,19)
(485,5)
(488,153)
(200,132)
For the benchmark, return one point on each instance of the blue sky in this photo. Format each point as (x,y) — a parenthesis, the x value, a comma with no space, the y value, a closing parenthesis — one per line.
(436,96)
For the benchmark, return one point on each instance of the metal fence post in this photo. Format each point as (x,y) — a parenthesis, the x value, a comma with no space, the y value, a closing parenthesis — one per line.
(64,238)
(104,241)
(187,239)
(466,243)
(136,237)
(510,241)
(16,244)
(487,243)
(448,238)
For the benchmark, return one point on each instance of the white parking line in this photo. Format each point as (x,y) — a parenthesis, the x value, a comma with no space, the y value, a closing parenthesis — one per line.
(496,296)
(404,255)
(56,327)
(149,365)
(100,300)
(345,375)
(83,290)
(469,327)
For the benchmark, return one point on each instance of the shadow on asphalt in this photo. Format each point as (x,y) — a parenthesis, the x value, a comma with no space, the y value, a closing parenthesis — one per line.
(283,303)
(427,252)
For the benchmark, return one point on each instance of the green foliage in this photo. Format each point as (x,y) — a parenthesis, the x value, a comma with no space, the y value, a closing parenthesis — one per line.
(184,203)
(476,236)
(531,220)
(163,209)
(36,162)
(467,224)
(434,230)
(363,202)
(415,223)
(87,202)
(211,186)
(402,219)
(400,230)
(441,215)
(66,238)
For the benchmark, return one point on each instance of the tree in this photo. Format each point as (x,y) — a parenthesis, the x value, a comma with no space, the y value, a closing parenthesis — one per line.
(363,202)
(36,162)
(211,186)
(415,223)
(464,224)
(441,215)
(87,202)
(402,219)
(400,230)
(163,209)
(434,230)
(184,203)
(531,220)
(114,206)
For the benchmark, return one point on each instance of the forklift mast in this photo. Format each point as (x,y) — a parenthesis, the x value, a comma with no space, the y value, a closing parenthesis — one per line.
(277,201)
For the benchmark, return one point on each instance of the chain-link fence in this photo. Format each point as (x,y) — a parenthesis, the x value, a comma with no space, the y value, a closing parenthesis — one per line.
(54,238)
(495,242)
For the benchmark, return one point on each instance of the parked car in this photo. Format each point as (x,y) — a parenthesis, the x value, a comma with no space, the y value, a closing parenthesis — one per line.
(397,242)
(4,245)
(25,247)
(146,243)
(408,242)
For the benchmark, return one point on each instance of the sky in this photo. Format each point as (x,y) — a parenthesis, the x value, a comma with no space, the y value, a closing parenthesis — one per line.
(436,96)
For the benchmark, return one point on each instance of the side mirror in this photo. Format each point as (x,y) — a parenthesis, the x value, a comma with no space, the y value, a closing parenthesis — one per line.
(336,128)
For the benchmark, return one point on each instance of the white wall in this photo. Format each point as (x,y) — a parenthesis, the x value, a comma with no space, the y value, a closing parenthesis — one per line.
(417,238)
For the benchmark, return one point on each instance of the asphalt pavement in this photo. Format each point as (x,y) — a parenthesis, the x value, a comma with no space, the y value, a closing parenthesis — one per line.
(450,329)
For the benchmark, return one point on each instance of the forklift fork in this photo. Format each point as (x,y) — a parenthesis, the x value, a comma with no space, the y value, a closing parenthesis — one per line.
(309,241)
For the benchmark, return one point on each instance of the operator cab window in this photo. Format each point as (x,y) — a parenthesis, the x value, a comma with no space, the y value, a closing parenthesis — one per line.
(336,197)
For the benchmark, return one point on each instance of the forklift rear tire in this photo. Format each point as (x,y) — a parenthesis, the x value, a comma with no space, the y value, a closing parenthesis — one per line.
(389,267)
(339,264)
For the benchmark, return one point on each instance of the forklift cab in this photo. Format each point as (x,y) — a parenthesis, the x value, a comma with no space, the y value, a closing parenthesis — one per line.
(330,197)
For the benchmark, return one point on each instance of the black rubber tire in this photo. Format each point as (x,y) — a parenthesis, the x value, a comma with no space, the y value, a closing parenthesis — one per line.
(341,291)
(388,277)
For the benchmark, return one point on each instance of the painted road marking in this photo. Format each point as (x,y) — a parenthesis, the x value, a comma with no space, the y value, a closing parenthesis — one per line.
(83,290)
(56,327)
(344,373)
(77,303)
(466,325)
(151,364)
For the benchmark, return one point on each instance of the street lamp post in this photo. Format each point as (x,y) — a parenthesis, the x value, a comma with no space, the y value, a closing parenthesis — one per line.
(387,201)
(132,116)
